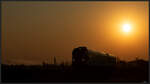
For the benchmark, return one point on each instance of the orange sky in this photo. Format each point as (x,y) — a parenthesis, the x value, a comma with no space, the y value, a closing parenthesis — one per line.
(33,32)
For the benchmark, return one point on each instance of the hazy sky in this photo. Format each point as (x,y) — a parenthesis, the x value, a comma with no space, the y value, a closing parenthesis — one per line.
(33,32)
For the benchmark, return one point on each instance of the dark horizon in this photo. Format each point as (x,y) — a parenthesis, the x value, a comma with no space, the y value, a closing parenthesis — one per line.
(104,68)
(54,60)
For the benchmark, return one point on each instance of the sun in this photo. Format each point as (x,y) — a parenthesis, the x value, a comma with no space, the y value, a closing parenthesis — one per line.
(126,27)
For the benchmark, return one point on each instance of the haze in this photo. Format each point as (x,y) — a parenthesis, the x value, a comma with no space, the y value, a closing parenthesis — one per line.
(33,32)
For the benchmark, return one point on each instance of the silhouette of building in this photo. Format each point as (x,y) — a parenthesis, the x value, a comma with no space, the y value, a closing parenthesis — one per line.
(80,56)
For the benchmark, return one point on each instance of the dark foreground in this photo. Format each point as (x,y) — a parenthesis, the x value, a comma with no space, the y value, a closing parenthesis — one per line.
(52,73)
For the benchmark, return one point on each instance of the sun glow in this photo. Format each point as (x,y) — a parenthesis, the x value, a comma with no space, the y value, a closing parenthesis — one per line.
(126,28)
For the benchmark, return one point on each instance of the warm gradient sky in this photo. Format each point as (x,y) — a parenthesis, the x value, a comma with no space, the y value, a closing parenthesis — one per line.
(33,32)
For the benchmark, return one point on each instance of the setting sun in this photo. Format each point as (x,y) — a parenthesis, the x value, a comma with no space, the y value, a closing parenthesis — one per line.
(74,41)
(126,27)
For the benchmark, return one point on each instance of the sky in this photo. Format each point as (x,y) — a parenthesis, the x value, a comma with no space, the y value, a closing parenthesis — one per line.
(33,32)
